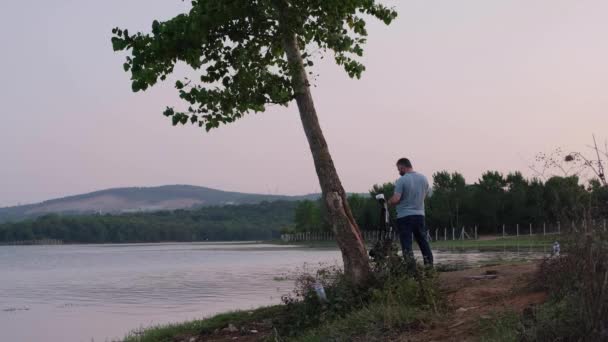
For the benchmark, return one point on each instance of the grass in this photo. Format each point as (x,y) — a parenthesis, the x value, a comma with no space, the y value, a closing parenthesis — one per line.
(502,327)
(500,242)
(371,323)
(523,241)
(166,333)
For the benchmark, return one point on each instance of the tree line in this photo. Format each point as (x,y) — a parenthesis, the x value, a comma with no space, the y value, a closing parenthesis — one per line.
(493,200)
(262,221)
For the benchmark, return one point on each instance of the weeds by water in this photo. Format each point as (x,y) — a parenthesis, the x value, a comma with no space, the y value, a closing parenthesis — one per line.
(175,332)
(395,300)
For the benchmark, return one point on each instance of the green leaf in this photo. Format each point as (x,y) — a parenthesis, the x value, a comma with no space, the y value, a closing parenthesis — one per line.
(168,112)
(117,44)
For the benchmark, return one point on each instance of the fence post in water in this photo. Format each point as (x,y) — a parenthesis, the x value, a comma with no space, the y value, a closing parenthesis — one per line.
(559,227)
(544,229)
(445,234)
(503,230)
(530,229)
(475,232)
(517,225)
(453,234)
(436,234)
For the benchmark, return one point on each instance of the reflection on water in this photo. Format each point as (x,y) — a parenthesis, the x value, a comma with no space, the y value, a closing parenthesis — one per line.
(100,292)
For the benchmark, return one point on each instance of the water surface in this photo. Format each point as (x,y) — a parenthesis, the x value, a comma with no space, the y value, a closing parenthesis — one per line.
(101,292)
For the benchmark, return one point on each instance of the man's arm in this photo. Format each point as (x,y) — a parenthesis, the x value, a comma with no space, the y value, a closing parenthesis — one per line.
(397,194)
(395,199)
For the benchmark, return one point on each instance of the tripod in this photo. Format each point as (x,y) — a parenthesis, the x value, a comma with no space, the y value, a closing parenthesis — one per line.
(384,244)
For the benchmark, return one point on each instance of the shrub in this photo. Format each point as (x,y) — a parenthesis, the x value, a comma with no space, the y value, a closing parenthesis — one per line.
(393,297)
(578,287)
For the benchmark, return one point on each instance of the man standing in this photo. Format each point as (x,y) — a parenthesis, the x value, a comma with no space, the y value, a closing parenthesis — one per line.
(410,191)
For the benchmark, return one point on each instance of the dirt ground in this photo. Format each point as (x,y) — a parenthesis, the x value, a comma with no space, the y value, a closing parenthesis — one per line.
(472,300)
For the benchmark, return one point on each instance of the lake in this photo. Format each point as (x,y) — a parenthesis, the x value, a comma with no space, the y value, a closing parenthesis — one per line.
(101,292)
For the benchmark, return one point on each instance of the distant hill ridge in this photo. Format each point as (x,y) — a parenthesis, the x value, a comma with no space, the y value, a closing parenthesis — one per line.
(140,199)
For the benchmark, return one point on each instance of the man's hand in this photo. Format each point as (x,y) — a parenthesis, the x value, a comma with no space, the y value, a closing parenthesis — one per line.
(395,199)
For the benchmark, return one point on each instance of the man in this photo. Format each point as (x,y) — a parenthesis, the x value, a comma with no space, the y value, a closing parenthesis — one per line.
(410,191)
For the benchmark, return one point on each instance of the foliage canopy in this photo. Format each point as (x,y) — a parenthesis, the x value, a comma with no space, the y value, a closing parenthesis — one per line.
(236,47)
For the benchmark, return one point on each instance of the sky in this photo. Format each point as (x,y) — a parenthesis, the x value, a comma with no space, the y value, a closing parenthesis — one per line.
(468,86)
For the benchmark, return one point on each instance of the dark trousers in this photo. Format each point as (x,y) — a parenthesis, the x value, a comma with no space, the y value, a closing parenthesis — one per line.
(414,225)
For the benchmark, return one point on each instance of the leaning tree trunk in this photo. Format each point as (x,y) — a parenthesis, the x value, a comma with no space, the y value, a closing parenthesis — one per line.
(348,236)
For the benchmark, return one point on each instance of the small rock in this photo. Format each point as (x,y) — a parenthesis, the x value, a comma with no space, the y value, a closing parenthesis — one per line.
(192,339)
(253,331)
(232,328)
(485,317)
(462,310)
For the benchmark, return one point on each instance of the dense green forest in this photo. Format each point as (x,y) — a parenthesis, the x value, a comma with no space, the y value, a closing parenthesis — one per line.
(230,222)
(495,199)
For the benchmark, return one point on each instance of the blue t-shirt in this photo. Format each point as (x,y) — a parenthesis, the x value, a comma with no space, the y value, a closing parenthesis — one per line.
(413,187)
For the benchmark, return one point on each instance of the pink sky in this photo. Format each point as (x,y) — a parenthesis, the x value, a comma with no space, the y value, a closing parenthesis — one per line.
(465,85)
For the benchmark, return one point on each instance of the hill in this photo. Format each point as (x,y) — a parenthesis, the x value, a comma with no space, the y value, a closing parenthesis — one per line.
(140,199)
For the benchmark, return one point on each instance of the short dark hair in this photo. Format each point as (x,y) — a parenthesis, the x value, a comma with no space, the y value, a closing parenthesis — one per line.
(404,162)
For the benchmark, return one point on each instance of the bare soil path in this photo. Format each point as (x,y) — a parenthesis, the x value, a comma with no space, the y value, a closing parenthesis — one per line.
(476,294)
